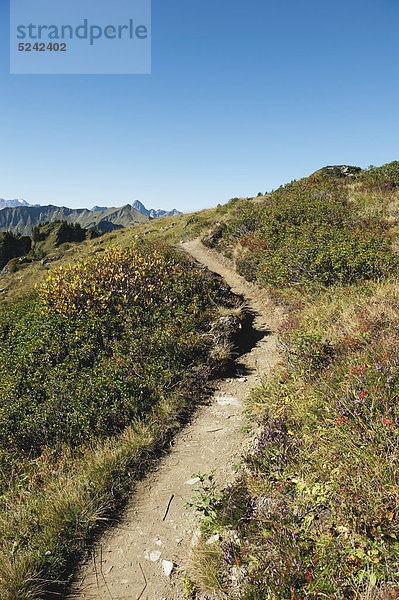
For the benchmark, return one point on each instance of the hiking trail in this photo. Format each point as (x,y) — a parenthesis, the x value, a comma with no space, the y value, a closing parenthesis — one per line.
(143,556)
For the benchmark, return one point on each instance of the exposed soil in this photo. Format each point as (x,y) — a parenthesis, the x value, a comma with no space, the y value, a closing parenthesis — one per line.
(156,529)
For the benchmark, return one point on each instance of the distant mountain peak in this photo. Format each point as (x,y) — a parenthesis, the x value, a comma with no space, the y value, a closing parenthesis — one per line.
(137,205)
(152,213)
(14,203)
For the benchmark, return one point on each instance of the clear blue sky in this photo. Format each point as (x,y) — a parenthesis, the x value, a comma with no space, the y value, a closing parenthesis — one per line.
(243,96)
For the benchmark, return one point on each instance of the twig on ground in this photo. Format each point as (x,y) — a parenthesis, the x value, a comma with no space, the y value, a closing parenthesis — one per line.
(145,582)
(167,508)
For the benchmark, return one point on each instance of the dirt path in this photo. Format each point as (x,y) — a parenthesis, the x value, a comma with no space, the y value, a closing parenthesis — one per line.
(133,559)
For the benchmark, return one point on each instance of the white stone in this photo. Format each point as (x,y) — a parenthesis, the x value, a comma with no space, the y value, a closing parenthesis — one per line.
(228,401)
(155,555)
(196,537)
(192,481)
(167,567)
(213,539)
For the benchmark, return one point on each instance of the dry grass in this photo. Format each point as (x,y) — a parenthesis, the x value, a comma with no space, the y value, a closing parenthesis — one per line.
(204,568)
(65,512)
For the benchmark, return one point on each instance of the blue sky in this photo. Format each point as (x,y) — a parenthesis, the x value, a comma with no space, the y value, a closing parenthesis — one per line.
(243,96)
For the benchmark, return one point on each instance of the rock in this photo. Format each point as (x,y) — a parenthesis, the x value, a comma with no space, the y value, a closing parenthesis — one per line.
(193,481)
(231,534)
(155,555)
(242,379)
(48,259)
(213,539)
(265,507)
(237,574)
(196,537)
(167,567)
(228,401)
(157,541)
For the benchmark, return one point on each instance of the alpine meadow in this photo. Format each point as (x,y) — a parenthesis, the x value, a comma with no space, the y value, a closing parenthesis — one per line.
(110,352)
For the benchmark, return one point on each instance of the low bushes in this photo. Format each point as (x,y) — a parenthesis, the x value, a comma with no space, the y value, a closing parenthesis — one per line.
(95,371)
(316,501)
(319,488)
(307,233)
(384,178)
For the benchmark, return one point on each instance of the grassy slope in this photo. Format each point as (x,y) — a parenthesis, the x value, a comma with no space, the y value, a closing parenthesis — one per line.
(314,512)
(91,382)
(168,229)
(312,502)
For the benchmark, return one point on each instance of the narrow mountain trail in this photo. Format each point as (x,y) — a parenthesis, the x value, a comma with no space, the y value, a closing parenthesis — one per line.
(143,556)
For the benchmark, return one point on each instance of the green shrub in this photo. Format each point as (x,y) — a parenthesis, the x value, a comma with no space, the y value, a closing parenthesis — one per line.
(308,233)
(385,178)
(101,347)
(12,246)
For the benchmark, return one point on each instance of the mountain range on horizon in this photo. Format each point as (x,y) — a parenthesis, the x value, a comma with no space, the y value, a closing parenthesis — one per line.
(18,216)
(14,203)
(152,213)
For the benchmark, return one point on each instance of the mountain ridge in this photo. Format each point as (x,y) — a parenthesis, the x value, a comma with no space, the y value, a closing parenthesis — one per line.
(152,213)
(21,218)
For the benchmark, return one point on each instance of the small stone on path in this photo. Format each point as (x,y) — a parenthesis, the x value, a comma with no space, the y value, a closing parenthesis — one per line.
(155,555)
(228,401)
(213,539)
(167,567)
(192,481)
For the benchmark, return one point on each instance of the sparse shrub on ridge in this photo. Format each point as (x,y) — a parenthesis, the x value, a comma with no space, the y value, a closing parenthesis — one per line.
(384,178)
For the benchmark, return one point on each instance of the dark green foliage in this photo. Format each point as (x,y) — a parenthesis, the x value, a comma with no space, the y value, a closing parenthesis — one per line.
(12,246)
(70,379)
(60,232)
(385,178)
(91,233)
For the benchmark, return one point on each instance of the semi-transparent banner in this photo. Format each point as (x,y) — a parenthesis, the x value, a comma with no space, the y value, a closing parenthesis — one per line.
(80,36)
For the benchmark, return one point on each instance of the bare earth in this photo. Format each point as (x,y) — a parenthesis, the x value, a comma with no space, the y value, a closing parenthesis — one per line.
(133,558)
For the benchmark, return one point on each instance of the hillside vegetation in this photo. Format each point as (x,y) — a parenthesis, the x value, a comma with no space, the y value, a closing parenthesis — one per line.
(12,246)
(314,510)
(96,369)
(102,360)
